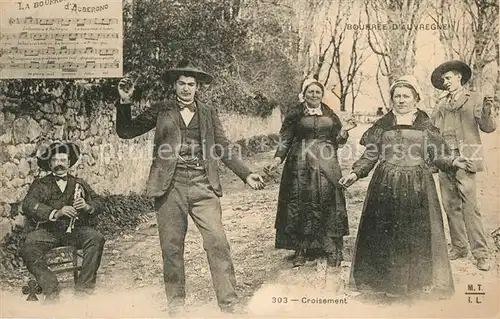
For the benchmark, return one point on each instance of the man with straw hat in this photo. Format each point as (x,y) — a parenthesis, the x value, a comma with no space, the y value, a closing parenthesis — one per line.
(460,114)
(184,178)
(59,208)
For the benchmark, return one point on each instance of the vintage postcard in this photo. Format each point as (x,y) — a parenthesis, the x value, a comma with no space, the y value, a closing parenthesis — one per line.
(249,158)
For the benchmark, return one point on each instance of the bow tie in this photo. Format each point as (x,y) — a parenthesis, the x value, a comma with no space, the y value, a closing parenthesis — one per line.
(61,178)
(315,111)
(191,106)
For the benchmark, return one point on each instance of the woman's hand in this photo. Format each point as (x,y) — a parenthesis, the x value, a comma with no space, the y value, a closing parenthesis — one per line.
(348,180)
(349,124)
(463,163)
(273,166)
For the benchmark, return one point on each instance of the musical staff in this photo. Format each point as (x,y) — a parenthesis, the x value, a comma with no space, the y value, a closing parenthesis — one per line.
(61,39)
(59,51)
(35,36)
(65,66)
(63,21)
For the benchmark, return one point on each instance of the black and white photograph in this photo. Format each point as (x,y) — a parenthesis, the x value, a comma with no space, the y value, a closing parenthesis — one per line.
(249,159)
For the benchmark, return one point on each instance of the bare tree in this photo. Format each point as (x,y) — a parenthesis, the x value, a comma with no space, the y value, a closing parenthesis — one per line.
(342,55)
(380,71)
(456,37)
(394,40)
(307,15)
(472,35)
(484,14)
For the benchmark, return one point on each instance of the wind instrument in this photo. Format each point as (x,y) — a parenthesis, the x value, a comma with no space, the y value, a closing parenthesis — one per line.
(78,194)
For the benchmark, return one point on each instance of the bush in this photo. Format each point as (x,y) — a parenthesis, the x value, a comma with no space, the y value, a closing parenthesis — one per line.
(246,54)
(120,213)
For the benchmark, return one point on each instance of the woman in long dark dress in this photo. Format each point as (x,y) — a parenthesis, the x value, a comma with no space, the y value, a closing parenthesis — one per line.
(401,247)
(311,213)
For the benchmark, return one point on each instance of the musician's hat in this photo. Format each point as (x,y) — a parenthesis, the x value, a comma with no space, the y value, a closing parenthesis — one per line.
(44,154)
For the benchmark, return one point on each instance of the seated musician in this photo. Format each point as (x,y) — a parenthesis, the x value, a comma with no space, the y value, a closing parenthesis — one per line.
(59,209)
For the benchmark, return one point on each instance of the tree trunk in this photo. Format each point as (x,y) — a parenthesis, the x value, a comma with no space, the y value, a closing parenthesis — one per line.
(342,102)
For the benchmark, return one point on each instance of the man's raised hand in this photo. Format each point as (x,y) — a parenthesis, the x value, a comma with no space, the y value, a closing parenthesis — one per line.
(126,89)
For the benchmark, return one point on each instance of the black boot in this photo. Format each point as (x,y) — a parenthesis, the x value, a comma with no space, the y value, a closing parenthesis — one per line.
(300,258)
(331,260)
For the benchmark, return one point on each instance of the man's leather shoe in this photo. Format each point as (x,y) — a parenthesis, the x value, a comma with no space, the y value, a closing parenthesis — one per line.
(482,264)
(332,260)
(235,307)
(456,253)
(176,310)
(52,298)
(299,259)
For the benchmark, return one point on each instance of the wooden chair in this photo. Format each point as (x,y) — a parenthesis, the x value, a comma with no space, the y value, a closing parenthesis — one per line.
(71,258)
(55,263)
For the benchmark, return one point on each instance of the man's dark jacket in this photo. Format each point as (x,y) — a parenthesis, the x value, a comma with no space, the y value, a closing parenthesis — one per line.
(164,116)
(44,195)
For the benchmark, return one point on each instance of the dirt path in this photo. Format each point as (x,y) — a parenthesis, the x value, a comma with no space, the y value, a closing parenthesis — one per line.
(131,283)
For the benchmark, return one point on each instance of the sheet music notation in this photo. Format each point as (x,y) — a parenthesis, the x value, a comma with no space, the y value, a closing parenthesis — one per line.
(61,40)
(64,21)
(59,36)
(58,51)
(65,66)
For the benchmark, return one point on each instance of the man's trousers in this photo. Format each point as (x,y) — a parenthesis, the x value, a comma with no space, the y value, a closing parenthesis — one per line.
(191,194)
(40,241)
(458,192)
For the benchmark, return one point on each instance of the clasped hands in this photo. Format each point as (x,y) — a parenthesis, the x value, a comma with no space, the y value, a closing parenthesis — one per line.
(72,211)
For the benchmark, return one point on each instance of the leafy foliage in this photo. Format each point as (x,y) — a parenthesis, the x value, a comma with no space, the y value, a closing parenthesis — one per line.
(157,34)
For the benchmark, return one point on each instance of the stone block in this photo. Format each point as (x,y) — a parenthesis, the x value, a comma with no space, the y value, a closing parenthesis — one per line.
(82,123)
(18,221)
(16,182)
(47,108)
(95,151)
(94,129)
(22,192)
(20,130)
(11,151)
(30,150)
(9,194)
(73,135)
(10,170)
(58,132)
(9,117)
(60,120)
(6,137)
(24,168)
(5,228)
(38,116)
(34,130)
(4,154)
(5,209)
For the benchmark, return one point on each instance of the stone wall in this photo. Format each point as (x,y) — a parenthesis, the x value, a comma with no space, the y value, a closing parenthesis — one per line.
(109,164)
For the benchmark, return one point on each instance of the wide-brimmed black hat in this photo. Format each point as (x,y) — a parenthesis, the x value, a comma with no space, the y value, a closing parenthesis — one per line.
(186,67)
(45,154)
(455,65)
